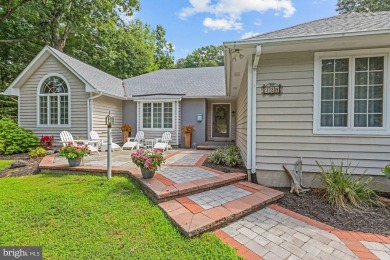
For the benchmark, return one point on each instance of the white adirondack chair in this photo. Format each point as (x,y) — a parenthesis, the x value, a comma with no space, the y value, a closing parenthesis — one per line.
(67,137)
(163,142)
(134,142)
(103,146)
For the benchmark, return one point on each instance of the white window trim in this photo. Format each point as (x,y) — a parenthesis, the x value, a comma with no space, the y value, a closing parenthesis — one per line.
(141,108)
(350,130)
(49,125)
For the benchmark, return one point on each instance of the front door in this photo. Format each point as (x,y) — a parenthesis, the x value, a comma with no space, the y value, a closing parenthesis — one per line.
(221,120)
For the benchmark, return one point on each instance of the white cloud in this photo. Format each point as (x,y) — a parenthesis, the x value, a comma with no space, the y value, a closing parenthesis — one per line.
(222,24)
(228,12)
(249,34)
(258,22)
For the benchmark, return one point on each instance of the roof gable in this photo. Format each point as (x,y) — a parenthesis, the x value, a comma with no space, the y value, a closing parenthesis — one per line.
(94,79)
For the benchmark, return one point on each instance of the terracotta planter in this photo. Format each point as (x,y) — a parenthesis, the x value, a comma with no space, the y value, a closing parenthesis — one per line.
(125,136)
(187,139)
(146,173)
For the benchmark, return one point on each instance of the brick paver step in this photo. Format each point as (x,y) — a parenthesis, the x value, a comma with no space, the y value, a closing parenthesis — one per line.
(207,210)
(174,182)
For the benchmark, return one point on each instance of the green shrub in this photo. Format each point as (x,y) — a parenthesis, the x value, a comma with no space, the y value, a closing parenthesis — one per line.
(38,152)
(15,139)
(228,156)
(386,171)
(344,191)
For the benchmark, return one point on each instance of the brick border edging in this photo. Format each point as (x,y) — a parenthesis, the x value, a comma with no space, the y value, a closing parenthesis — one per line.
(241,249)
(350,238)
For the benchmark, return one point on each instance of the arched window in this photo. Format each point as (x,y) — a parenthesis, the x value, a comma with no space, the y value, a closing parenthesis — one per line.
(53,98)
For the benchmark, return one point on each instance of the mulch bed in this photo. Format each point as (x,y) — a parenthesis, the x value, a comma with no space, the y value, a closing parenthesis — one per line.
(224,168)
(32,166)
(312,204)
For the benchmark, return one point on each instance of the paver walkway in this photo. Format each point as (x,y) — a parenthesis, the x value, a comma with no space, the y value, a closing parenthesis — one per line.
(278,233)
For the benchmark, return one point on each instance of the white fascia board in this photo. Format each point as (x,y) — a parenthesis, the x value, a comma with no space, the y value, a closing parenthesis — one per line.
(12,91)
(252,43)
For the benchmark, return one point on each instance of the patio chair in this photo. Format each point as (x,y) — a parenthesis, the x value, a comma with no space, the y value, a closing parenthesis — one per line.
(163,142)
(67,137)
(101,144)
(134,142)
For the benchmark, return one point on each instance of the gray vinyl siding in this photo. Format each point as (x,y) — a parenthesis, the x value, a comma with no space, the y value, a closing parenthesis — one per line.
(190,109)
(129,109)
(242,119)
(152,133)
(28,102)
(285,123)
(232,135)
(101,106)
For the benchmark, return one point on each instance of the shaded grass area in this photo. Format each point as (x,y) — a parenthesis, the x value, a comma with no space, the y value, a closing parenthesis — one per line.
(5,163)
(88,217)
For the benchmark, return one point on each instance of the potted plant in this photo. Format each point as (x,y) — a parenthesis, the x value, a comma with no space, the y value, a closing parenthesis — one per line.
(126,130)
(74,154)
(148,161)
(188,130)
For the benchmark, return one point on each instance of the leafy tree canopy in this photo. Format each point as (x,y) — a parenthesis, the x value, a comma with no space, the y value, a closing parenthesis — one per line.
(206,56)
(102,33)
(348,6)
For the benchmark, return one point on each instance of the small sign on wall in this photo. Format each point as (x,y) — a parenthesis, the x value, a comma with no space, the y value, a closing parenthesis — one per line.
(272,89)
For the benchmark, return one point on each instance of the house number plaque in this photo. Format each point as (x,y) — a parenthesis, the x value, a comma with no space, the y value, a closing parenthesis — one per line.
(272,89)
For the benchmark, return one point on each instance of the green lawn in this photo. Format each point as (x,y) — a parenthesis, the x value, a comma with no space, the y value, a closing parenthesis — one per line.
(88,217)
(5,163)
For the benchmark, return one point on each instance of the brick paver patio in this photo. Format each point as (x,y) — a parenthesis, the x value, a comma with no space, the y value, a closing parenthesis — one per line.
(186,174)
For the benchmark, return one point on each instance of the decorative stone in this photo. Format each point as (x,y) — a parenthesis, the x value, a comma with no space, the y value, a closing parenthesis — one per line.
(18,164)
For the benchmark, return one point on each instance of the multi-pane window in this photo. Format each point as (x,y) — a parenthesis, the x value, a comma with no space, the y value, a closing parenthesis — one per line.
(369,92)
(351,92)
(54,102)
(157,115)
(334,93)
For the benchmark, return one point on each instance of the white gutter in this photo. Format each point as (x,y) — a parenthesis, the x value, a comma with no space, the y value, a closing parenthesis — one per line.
(90,112)
(247,43)
(254,113)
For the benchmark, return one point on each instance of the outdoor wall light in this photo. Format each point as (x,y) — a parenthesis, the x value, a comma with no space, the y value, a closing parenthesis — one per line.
(233,113)
(199,117)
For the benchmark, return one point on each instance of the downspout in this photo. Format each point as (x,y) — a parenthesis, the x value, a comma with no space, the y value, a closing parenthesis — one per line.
(254,113)
(90,112)
(249,116)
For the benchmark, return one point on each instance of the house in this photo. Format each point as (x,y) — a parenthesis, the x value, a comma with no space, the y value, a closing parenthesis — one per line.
(58,92)
(318,91)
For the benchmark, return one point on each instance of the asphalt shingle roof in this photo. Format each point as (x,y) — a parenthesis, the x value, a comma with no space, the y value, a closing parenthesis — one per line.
(193,82)
(343,23)
(98,79)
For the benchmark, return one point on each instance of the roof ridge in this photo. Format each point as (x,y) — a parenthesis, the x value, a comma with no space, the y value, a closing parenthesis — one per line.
(315,21)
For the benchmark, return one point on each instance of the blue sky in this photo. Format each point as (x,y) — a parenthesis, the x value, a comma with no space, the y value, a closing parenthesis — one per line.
(191,24)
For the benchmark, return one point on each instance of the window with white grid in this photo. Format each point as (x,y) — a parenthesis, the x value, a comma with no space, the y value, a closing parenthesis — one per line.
(351,92)
(53,102)
(157,115)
